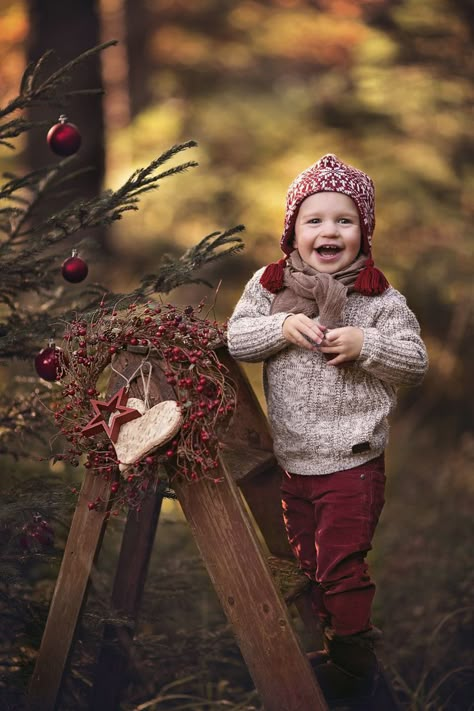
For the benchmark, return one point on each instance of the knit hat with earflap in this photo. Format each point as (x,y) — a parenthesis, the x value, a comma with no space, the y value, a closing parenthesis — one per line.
(329,174)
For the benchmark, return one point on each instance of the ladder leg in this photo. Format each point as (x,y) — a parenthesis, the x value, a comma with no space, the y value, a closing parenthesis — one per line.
(82,547)
(137,544)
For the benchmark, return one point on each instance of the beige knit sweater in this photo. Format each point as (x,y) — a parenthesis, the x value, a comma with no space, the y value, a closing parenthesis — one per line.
(324,418)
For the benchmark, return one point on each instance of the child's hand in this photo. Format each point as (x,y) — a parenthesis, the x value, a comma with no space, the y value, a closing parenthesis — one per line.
(344,343)
(302,331)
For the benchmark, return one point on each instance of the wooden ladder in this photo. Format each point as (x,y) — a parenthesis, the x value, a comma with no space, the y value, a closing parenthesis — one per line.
(225,533)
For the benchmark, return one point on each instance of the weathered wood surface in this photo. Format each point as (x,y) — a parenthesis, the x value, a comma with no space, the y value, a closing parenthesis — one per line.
(82,547)
(248,427)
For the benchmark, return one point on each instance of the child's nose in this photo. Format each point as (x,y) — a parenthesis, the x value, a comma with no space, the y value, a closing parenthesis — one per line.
(329,228)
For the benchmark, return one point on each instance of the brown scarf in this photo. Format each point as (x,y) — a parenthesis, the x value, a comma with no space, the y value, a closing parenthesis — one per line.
(314,293)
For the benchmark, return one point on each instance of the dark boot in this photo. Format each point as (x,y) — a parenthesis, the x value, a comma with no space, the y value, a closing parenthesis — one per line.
(317,658)
(322,655)
(352,670)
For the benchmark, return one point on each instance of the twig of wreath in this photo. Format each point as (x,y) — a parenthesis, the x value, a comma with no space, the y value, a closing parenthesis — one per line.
(122,439)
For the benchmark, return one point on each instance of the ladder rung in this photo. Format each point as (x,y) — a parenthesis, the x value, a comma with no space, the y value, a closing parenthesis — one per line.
(290,579)
(244,462)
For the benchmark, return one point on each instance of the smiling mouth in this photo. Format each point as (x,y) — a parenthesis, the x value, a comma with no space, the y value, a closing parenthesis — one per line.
(328,250)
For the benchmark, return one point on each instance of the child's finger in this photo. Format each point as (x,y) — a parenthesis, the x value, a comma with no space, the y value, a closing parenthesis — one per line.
(310,334)
(299,335)
(330,349)
(341,358)
(332,335)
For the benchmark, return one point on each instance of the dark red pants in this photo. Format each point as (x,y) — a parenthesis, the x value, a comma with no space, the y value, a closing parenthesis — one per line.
(330,521)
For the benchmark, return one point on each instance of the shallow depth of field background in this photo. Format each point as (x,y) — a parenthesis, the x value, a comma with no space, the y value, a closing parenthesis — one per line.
(266,87)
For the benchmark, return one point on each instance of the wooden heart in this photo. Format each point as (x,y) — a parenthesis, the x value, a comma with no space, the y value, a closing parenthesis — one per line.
(137,404)
(155,427)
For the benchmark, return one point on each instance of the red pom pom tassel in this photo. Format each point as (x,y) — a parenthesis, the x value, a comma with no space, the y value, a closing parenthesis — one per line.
(371,281)
(272,277)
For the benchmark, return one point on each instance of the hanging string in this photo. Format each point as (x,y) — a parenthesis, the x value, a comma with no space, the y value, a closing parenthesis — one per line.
(145,382)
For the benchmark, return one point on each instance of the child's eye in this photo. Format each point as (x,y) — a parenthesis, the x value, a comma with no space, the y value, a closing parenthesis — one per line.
(345,220)
(314,221)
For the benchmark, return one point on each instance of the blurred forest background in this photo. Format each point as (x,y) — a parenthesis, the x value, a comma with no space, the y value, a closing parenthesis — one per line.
(266,87)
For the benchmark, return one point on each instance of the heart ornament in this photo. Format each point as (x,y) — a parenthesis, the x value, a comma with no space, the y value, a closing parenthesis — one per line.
(156,426)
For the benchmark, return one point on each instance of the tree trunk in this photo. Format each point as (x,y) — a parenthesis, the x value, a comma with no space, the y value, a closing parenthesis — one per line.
(70,28)
(138,20)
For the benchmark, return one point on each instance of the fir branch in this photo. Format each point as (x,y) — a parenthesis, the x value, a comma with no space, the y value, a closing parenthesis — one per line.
(15,127)
(34,91)
(64,72)
(95,212)
(19,424)
(39,183)
(176,272)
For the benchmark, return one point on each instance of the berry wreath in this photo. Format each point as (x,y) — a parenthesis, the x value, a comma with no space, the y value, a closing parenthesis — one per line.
(185,344)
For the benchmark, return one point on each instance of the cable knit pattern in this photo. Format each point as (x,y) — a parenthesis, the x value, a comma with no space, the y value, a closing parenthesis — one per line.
(319,413)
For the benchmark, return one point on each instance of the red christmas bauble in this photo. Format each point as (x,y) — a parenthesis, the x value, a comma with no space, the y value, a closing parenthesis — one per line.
(74,269)
(64,138)
(35,534)
(49,363)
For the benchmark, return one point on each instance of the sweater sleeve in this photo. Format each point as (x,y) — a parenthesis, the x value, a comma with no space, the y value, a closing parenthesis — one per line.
(253,333)
(393,350)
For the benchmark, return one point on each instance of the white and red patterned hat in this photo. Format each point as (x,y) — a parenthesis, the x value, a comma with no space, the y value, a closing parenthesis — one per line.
(329,174)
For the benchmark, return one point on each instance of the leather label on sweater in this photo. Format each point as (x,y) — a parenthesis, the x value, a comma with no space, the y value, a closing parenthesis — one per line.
(361,447)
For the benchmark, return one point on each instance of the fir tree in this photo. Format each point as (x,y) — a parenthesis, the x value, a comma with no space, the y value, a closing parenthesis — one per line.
(30,298)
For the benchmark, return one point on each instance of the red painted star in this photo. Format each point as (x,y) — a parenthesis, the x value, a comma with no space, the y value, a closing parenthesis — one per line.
(120,415)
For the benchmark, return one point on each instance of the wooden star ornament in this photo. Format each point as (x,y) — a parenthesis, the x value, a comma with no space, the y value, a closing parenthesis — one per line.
(119,415)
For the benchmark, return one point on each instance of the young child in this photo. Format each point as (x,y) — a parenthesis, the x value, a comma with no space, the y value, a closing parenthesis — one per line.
(336,340)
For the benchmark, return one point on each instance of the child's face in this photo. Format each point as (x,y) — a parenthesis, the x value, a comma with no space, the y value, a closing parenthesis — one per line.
(327,232)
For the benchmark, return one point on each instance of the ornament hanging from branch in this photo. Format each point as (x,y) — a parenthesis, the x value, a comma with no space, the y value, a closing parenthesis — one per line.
(64,138)
(36,533)
(74,269)
(50,362)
